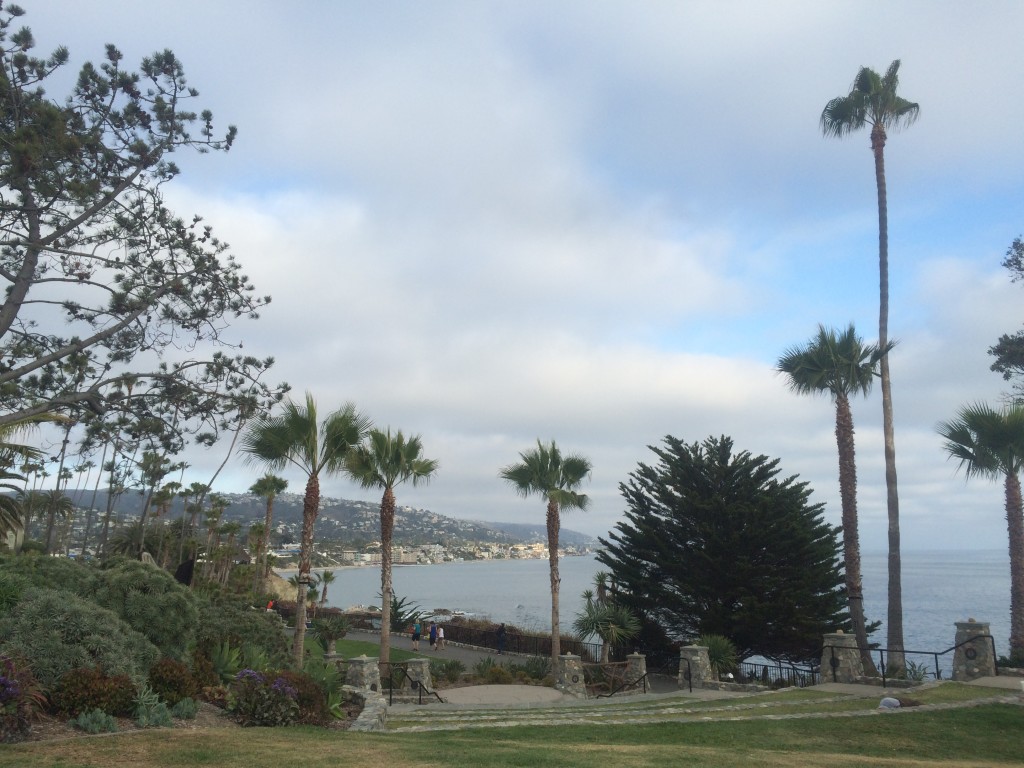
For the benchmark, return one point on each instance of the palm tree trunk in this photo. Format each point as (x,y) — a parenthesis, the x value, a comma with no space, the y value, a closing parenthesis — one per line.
(387,530)
(1015,529)
(92,502)
(851,535)
(261,567)
(894,624)
(553,522)
(310,507)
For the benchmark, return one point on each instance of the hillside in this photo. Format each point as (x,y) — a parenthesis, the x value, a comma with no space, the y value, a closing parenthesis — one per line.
(358,522)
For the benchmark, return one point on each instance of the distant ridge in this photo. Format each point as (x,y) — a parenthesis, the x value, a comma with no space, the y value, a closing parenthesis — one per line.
(538,532)
(358,521)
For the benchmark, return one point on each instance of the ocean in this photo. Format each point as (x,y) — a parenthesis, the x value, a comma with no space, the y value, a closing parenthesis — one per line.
(939,588)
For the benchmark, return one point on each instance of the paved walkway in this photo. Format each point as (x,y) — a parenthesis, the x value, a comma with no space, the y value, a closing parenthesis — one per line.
(662,687)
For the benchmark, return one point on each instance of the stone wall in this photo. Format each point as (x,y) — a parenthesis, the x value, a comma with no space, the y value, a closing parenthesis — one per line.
(973,657)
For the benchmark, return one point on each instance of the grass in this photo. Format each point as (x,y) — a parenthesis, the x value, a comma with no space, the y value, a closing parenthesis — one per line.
(351,648)
(983,736)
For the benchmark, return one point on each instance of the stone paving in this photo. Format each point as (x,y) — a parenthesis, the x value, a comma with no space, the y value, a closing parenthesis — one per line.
(658,708)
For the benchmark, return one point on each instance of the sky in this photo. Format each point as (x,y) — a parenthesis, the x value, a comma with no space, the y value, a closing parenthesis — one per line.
(602,223)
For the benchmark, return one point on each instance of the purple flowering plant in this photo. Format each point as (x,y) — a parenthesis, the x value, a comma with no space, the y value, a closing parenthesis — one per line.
(254,699)
(21,700)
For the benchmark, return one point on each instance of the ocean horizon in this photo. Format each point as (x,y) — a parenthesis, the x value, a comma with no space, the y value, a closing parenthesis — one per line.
(940,587)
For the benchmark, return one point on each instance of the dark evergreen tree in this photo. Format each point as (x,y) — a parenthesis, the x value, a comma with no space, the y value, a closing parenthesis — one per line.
(1009,350)
(716,543)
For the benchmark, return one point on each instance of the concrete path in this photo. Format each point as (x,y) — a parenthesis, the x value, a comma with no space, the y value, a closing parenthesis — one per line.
(662,687)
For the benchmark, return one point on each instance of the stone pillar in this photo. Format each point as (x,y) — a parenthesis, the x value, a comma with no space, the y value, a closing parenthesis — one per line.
(419,674)
(363,673)
(636,668)
(840,659)
(694,666)
(569,676)
(973,657)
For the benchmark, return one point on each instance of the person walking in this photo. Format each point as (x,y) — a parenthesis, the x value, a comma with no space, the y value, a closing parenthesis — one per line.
(501,639)
(433,636)
(440,637)
(416,629)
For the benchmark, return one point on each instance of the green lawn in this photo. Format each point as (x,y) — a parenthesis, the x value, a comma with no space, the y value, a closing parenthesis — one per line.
(352,648)
(977,736)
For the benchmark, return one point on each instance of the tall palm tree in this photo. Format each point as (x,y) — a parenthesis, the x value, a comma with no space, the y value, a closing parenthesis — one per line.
(268,487)
(990,443)
(873,101)
(545,472)
(384,461)
(296,438)
(839,364)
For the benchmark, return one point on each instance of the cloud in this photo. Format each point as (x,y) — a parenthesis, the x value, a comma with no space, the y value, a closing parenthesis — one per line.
(603,223)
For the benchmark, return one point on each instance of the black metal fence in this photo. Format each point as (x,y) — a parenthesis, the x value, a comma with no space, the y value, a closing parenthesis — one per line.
(919,665)
(776,674)
(528,645)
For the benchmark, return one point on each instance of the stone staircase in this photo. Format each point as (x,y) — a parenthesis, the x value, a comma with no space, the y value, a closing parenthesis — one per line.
(661,709)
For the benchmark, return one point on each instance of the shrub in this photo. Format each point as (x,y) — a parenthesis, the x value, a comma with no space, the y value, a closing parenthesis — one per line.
(85,689)
(96,721)
(185,709)
(154,716)
(203,670)
(172,681)
(150,711)
(537,667)
(325,673)
(56,631)
(50,573)
(229,619)
(722,653)
(150,600)
(21,700)
(310,697)
(498,675)
(226,661)
(449,669)
(12,585)
(483,667)
(256,700)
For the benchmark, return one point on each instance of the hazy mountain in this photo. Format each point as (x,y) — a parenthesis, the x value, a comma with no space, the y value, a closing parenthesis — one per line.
(359,521)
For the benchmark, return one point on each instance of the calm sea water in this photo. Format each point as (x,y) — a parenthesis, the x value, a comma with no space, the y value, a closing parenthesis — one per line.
(939,588)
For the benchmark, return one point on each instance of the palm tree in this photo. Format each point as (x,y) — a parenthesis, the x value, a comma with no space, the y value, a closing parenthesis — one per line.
(990,443)
(873,101)
(58,506)
(254,541)
(295,438)
(212,518)
(545,472)
(330,629)
(385,461)
(268,487)
(326,579)
(602,616)
(11,513)
(841,365)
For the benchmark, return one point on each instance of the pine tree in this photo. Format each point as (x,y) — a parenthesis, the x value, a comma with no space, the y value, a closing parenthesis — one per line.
(716,543)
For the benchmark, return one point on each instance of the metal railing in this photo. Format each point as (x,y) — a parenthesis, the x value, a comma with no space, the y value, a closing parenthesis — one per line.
(399,670)
(883,671)
(776,673)
(527,644)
